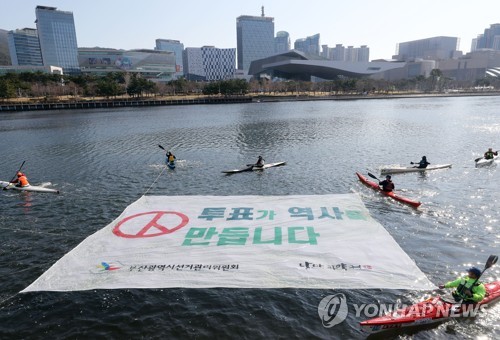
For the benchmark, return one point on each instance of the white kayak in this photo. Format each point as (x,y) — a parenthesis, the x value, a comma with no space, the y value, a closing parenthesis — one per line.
(485,162)
(11,186)
(252,167)
(403,169)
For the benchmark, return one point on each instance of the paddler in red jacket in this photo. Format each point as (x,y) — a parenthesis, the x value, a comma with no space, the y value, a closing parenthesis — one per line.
(469,289)
(387,184)
(21,180)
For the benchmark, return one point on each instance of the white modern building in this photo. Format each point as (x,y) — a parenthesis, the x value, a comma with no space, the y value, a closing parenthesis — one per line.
(435,48)
(208,63)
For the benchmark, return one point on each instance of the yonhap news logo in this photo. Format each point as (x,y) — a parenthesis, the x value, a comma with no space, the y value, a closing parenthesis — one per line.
(333,310)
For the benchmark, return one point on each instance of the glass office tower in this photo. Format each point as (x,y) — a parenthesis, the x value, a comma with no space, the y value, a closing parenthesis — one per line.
(24,47)
(177,48)
(282,42)
(254,39)
(57,36)
(309,45)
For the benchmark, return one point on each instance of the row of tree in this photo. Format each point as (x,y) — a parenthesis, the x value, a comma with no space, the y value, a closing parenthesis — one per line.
(38,84)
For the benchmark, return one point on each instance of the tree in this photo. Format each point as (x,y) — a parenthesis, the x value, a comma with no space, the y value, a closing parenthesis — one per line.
(227,87)
(139,86)
(436,76)
(7,89)
(108,87)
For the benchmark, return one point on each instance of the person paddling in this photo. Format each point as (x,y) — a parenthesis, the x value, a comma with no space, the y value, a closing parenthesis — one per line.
(490,154)
(21,180)
(469,288)
(387,184)
(260,162)
(170,157)
(422,164)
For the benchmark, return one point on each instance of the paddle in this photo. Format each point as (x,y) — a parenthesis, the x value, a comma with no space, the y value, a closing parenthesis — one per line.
(373,176)
(13,178)
(490,262)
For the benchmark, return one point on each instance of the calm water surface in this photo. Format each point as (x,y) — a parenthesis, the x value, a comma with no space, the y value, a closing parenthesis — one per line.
(103,160)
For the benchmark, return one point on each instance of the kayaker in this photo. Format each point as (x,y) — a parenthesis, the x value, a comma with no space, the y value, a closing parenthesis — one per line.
(387,184)
(21,180)
(422,164)
(469,289)
(170,157)
(260,162)
(490,154)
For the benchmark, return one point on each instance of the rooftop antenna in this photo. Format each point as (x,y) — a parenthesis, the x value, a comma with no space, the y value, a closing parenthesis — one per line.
(262,11)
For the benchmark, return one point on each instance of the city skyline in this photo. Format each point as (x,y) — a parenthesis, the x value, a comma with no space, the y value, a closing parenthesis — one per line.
(379,25)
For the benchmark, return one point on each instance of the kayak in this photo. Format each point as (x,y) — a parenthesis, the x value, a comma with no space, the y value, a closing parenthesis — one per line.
(433,310)
(10,186)
(391,194)
(403,169)
(485,162)
(171,165)
(251,167)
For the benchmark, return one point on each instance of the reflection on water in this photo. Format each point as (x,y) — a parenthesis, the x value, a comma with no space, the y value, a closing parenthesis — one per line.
(103,160)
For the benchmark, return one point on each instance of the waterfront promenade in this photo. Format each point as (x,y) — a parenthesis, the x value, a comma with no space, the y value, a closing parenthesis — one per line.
(60,103)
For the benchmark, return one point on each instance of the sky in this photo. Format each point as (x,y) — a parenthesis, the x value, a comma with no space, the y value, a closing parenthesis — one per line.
(379,24)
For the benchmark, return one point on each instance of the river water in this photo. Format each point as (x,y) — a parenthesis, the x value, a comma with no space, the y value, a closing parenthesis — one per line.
(103,160)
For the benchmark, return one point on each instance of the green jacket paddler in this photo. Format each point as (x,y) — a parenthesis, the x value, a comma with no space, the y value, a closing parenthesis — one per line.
(469,289)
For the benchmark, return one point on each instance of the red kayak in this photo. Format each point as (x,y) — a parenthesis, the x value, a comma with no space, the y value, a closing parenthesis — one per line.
(391,194)
(432,310)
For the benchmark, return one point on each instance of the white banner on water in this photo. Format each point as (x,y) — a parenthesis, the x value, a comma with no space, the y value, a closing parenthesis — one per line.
(320,241)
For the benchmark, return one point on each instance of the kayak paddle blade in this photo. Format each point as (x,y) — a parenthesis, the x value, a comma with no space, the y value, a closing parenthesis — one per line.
(491,261)
(373,176)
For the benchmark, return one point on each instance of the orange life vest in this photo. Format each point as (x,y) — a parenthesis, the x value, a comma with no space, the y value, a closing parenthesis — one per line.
(22,181)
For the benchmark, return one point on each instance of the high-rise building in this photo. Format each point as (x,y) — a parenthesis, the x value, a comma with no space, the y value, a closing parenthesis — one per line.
(208,63)
(436,48)
(57,36)
(24,47)
(177,48)
(338,52)
(281,42)
(363,53)
(309,45)
(351,53)
(490,38)
(254,39)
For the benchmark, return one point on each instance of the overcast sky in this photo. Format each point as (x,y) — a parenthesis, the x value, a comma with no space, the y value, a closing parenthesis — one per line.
(379,24)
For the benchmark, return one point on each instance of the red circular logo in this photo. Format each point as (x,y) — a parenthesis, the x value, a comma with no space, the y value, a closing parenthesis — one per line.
(131,227)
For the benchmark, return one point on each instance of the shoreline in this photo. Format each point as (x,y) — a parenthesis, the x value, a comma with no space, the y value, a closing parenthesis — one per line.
(71,104)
